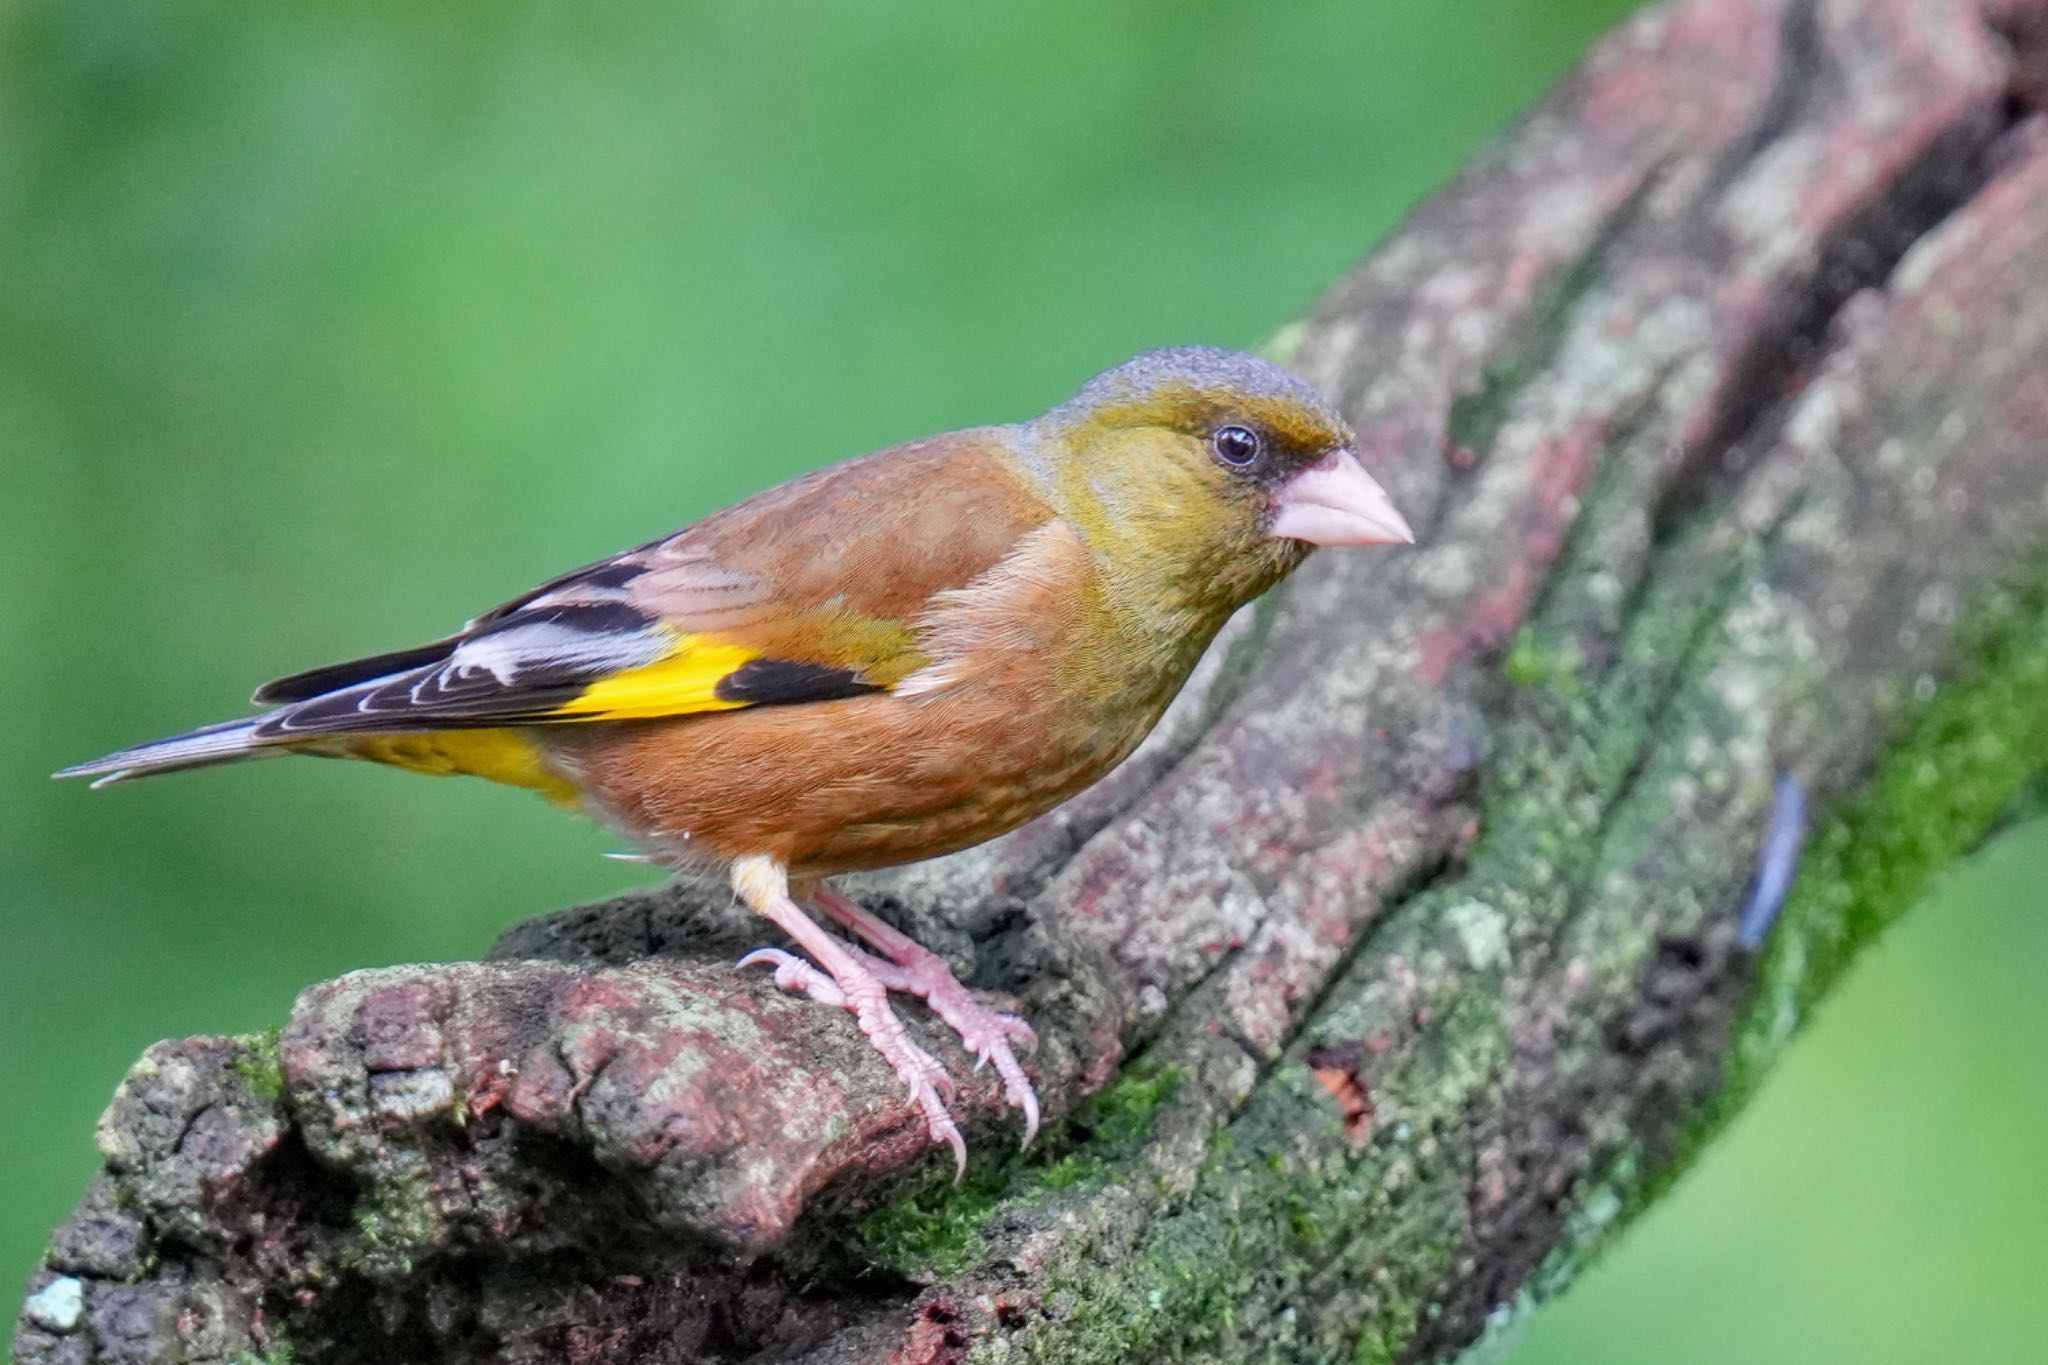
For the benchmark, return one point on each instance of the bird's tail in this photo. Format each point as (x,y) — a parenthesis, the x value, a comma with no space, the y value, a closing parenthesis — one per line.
(228,742)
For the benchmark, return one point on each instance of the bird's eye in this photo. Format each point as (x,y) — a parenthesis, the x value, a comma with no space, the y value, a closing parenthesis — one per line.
(1236,446)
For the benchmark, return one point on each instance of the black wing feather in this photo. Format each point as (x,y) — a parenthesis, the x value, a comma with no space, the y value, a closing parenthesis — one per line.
(450,691)
(615,572)
(315,682)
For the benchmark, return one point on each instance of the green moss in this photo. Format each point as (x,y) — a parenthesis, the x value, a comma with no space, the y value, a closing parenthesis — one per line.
(258,1065)
(1537,660)
(934,1225)
(1303,1222)
(392,1222)
(146,1267)
(280,1354)
(1121,1113)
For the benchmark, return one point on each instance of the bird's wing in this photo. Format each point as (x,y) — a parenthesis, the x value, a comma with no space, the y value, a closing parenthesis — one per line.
(808,592)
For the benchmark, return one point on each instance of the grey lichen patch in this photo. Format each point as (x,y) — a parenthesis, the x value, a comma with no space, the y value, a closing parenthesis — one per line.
(1477,417)
(1265,1230)
(1481,931)
(57,1306)
(407,1098)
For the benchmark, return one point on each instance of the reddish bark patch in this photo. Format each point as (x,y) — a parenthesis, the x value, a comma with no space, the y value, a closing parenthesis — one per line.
(1339,1068)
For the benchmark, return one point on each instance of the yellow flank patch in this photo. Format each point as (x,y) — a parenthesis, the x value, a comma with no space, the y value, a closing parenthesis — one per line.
(505,756)
(681,682)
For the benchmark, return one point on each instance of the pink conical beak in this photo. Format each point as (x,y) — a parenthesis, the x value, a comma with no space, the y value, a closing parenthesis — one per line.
(1335,502)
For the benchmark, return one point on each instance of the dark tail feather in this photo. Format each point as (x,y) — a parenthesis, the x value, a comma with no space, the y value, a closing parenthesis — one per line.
(229,742)
(315,682)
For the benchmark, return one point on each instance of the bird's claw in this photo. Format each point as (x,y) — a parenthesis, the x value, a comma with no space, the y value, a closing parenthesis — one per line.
(792,973)
(929,1084)
(939,1123)
(934,1070)
(924,1076)
(986,1034)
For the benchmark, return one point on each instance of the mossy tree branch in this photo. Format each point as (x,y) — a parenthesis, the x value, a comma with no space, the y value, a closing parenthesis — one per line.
(1403,963)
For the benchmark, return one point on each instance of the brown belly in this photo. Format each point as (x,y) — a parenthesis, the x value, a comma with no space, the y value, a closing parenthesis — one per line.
(843,786)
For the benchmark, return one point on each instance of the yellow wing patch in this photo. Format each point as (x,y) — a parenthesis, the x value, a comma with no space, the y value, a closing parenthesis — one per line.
(683,681)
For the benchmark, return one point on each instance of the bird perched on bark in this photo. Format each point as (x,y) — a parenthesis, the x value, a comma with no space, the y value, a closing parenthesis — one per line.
(890,659)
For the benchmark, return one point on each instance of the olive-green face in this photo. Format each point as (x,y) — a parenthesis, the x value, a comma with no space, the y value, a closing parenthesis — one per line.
(1242,424)
(1251,443)
(1212,470)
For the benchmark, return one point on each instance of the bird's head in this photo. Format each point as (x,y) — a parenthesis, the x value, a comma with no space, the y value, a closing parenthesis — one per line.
(1198,461)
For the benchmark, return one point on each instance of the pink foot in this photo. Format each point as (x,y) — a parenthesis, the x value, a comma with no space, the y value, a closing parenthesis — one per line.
(859,991)
(916,970)
(792,973)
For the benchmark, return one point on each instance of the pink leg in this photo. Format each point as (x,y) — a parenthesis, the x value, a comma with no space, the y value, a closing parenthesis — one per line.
(919,971)
(846,981)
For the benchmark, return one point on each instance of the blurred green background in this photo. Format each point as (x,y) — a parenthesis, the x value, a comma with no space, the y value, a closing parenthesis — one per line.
(325,326)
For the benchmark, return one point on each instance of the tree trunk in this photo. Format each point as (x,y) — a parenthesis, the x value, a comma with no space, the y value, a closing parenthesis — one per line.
(1419,947)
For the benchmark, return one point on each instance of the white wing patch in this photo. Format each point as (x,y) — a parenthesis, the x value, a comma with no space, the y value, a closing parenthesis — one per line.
(547,645)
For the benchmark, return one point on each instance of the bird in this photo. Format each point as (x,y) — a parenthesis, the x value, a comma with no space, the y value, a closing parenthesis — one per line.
(893,658)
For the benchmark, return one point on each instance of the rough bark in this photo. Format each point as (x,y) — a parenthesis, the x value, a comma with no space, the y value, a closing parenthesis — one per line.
(1403,963)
